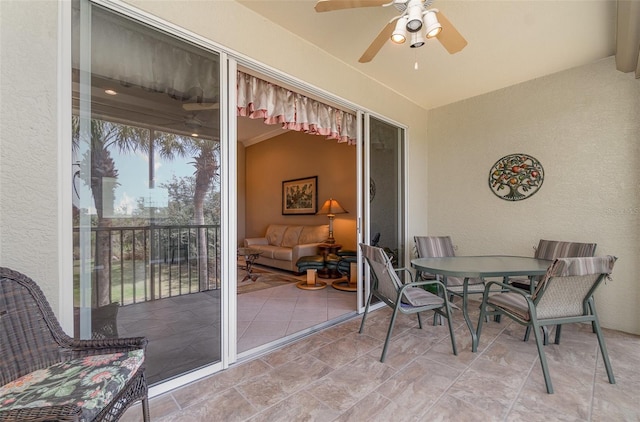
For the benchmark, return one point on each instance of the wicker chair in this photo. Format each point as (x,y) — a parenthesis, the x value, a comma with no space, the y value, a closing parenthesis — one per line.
(407,298)
(563,296)
(48,376)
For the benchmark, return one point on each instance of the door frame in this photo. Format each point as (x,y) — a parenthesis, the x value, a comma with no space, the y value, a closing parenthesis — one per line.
(229,62)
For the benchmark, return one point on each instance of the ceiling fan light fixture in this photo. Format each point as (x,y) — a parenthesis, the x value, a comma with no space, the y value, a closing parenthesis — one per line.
(417,39)
(414,23)
(431,23)
(399,35)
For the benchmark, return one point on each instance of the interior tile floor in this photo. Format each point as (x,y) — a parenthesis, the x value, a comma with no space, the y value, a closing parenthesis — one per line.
(335,375)
(271,314)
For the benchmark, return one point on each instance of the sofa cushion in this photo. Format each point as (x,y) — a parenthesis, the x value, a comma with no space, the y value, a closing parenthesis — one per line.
(90,382)
(284,254)
(275,233)
(314,234)
(291,236)
(268,251)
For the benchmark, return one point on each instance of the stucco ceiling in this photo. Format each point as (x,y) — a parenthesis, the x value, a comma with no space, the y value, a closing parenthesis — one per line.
(510,41)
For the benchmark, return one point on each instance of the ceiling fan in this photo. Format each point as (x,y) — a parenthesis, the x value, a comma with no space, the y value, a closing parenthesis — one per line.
(415,23)
(200,106)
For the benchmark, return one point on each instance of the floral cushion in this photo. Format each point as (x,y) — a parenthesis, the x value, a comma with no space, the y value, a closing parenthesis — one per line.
(90,383)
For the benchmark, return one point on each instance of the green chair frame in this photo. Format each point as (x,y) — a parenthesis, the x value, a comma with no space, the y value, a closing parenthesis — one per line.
(406,298)
(563,296)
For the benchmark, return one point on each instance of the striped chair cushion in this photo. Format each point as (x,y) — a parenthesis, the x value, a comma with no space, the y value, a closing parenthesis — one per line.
(552,249)
(512,302)
(441,247)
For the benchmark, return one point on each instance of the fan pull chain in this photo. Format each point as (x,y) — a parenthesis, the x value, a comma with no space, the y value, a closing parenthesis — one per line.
(415,65)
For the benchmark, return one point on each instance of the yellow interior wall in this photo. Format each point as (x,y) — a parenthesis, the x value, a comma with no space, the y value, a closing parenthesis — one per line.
(295,155)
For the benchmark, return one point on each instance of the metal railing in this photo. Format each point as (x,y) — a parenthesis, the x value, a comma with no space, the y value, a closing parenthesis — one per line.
(147,263)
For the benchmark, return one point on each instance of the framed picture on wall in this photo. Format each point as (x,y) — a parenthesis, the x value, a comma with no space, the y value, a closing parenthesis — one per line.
(300,196)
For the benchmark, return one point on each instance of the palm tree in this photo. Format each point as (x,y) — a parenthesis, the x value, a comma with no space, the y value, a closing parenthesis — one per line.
(107,136)
(103,137)
(206,171)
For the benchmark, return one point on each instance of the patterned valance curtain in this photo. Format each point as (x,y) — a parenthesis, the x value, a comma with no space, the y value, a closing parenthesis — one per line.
(259,99)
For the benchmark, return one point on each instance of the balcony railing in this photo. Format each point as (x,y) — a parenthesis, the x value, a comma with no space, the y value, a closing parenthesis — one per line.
(147,263)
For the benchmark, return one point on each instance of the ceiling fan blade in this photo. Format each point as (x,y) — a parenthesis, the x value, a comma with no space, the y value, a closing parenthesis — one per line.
(377,44)
(329,5)
(449,37)
(200,106)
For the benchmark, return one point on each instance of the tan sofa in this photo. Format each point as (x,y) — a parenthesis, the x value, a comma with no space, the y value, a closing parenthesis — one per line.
(282,245)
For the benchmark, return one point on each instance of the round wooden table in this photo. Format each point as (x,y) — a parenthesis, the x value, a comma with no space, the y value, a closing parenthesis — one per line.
(325,249)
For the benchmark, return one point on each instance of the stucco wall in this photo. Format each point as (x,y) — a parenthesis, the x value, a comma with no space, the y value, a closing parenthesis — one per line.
(28,142)
(295,155)
(584,126)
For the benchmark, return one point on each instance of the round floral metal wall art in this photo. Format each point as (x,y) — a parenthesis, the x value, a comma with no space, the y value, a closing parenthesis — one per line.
(516,177)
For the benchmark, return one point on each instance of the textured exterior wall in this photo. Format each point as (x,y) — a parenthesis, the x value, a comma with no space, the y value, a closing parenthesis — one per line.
(584,127)
(28,141)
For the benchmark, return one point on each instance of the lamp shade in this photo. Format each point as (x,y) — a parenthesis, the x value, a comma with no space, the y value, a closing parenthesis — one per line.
(332,207)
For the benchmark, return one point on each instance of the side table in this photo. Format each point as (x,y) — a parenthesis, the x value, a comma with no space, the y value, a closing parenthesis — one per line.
(250,255)
(325,249)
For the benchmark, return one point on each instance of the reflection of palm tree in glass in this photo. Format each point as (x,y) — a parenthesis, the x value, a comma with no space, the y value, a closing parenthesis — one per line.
(102,137)
(207,165)
(105,136)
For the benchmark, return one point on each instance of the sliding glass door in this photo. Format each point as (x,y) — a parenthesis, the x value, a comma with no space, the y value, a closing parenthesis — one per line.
(384,185)
(146,190)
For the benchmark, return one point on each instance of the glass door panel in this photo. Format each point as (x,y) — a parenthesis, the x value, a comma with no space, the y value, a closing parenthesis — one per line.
(386,188)
(146,190)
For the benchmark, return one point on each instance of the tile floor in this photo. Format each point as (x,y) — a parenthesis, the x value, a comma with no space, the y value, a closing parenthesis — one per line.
(268,315)
(335,375)
(184,331)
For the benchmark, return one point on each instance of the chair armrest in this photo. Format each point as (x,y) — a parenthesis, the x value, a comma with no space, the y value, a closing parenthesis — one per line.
(250,241)
(68,412)
(506,287)
(404,269)
(440,290)
(81,348)
(424,283)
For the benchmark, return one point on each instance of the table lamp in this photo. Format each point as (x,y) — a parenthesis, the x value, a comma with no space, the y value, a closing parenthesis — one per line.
(331,207)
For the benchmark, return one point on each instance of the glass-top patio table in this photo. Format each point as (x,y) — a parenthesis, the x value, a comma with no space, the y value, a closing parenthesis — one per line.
(467,267)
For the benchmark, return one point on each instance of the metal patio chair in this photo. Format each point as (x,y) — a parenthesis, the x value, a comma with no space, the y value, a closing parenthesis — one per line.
(441,247)
(407,298)
(550,250)
(48,376)
(563,296)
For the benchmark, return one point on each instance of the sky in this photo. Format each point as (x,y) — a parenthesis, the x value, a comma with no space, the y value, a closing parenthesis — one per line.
(133,179)
(133,183)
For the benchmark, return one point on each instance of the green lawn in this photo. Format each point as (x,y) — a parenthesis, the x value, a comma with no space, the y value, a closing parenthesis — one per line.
(132,283)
